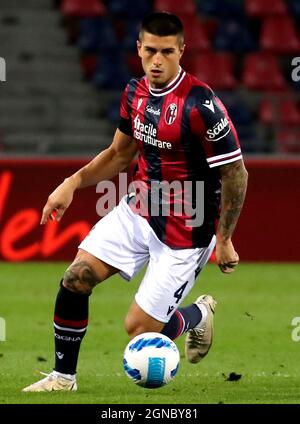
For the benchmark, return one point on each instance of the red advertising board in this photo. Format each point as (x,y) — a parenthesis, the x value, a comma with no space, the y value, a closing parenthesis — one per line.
(24,188)
(268,229)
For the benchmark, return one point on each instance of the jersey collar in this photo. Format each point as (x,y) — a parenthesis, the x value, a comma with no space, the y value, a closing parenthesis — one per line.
(170,87)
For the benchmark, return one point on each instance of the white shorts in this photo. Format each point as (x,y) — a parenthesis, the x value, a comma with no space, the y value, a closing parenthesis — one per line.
(126,241)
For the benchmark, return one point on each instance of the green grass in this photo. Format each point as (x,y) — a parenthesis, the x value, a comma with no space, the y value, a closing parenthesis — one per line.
(252,337)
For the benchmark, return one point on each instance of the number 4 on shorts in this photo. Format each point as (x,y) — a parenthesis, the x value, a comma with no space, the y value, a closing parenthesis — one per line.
(178,294)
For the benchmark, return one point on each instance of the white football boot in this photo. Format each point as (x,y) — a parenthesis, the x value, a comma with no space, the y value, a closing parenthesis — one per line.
(53,382)
(199,339)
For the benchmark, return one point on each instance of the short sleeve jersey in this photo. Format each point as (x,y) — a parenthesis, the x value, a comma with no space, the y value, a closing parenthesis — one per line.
(184,134)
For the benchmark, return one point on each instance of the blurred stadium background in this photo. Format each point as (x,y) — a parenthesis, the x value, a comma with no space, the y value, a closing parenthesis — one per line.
(67,62)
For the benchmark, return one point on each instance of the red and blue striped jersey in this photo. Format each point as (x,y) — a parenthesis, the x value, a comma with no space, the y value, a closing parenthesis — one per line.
(184,134)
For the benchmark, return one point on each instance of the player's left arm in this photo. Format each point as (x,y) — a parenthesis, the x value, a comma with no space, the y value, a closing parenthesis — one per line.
(210,120)
(234,178)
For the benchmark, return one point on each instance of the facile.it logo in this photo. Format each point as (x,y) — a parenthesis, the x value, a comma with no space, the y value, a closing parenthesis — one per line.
(147,133)
(2,69)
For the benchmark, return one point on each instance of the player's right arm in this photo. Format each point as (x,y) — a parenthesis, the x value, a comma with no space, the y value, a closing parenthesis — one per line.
(109,163)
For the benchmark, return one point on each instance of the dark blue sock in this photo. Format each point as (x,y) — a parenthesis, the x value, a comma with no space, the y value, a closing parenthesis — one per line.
(181,321)
(70,323)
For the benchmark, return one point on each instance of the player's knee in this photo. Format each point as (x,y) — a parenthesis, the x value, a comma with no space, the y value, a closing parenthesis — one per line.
(80,278)
(135,327)
(130,325)
(134,330)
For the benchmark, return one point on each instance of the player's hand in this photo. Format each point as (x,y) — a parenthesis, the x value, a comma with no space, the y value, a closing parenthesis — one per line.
(58,202)
(227,257)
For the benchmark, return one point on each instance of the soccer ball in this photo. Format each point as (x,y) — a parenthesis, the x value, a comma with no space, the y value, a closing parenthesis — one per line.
(151,360)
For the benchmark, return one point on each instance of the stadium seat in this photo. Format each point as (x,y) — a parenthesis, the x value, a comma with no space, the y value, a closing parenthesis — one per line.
(296,85)
(233,35)
(113,110)
(111,71)
(260,8)
(295,7)
(117,7)
(128,8)
(82,8)
(209,7)
(279,35)
(187,61)
(134,65)
(215,69)
(267,112)
(243,119)
(221,9)
(261,71)
(289,112)
(238,109)
(276,111)
(181,8)
(249,140)
(288,140)
(195,34)
(96,34)
(131,32)
(210,26)
(137,10)
(88,63)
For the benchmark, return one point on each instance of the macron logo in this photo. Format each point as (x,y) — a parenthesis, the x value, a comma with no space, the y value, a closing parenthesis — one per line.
(139,103)
(209,104)
(60,355)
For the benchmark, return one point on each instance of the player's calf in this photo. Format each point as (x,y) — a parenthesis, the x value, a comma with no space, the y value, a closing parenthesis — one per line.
(70,325)
(138,321)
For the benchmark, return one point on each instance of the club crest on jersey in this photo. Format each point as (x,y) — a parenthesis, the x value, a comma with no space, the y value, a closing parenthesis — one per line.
(171,113)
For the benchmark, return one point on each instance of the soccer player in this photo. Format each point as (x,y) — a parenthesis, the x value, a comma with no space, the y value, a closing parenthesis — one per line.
(189,173)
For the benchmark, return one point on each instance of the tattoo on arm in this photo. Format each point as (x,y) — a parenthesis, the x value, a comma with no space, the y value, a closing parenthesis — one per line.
(234,185)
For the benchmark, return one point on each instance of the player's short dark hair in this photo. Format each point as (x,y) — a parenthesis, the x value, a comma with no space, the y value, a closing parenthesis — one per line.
(162,24)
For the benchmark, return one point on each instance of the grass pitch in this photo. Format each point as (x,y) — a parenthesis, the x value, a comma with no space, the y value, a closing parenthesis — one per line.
(253,331)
